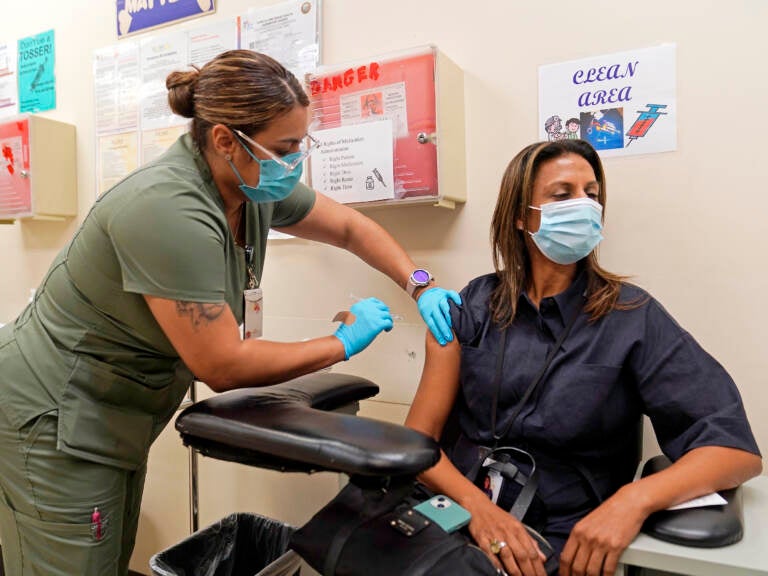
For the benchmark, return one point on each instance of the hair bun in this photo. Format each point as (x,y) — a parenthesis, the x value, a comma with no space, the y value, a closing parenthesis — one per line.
(181,91)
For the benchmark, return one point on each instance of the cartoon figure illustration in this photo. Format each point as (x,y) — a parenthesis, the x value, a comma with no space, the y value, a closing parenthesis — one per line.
(572,126)
(553,126)
(604,129)
(371,104)
(644,121)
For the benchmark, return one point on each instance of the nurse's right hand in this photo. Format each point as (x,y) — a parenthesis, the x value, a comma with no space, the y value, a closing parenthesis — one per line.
(371,317)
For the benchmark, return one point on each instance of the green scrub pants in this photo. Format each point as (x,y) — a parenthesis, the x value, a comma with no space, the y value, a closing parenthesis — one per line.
(47,501)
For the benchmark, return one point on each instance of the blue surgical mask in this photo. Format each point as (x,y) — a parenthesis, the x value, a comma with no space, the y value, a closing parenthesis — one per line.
(569,230)
(275,181)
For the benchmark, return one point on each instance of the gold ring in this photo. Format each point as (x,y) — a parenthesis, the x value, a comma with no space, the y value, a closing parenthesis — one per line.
(497,546)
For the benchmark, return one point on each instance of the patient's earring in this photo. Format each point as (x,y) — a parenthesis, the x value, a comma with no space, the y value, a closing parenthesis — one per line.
(228,157)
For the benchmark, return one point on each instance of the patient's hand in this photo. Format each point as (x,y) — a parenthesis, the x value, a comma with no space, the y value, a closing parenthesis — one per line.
(598,539)
(520,555)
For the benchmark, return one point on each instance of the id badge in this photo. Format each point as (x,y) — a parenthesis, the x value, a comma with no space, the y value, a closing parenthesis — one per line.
(254,313)
(492,481)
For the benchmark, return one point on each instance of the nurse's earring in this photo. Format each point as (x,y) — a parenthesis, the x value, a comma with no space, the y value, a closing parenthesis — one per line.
(228,157)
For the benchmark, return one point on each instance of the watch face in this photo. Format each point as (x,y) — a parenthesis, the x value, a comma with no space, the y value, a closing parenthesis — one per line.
(421,276)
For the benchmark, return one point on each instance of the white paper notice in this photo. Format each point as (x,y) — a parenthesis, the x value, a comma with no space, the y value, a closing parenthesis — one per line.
(207,42)
(354,163)
(713,499)
(287,32)
(9,100)
(159,57)
(116,87)
(117,156)
(622,103)
(374,105)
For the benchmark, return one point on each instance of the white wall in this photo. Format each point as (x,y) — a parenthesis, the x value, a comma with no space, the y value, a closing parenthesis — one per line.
(689,225)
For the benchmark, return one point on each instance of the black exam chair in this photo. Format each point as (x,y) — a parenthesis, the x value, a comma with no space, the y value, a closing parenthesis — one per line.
(301,426)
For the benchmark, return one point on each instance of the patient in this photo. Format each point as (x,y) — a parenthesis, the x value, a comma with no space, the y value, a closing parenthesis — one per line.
(623,356)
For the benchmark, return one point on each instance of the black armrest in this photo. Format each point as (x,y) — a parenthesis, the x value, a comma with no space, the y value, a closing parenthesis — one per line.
(706,527)
(288,427)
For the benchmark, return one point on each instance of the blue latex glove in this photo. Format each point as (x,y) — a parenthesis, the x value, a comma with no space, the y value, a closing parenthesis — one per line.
(434,308)
(371,317)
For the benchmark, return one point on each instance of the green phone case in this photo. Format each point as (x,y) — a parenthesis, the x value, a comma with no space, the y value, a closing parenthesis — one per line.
(444,512)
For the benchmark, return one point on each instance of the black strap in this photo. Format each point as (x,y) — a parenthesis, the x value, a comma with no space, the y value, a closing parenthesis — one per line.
(532,386)
(497,382)
(511,472)
(525,497)
(371,509)
(588,478)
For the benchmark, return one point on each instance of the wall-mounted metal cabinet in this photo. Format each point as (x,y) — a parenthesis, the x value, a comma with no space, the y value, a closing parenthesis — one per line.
(390,129)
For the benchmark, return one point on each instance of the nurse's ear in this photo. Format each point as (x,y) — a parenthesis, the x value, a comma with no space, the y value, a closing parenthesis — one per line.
(222,140)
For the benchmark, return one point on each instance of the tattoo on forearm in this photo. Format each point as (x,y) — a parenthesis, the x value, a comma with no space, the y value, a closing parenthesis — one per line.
(199,313)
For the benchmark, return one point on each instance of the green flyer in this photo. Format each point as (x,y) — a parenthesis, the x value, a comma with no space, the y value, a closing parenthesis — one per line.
(37,83)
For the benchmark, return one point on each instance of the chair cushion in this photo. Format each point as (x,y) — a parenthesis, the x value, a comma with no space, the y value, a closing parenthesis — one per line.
(705,527)
(290,427)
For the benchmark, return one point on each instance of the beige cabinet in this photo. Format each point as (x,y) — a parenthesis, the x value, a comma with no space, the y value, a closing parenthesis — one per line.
(38,172)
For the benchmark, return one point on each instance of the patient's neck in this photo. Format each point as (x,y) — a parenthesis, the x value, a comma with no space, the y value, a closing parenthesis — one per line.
(548,279)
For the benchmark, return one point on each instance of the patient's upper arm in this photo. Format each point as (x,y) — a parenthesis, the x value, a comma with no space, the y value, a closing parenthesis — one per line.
(437,389)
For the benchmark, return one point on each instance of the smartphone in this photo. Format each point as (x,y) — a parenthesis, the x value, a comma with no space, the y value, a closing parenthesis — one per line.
(444,512)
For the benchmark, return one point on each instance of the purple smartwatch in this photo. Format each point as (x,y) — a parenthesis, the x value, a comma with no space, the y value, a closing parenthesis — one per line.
(419,278)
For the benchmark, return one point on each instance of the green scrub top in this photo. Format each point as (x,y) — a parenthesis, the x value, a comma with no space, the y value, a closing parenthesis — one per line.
(88,346)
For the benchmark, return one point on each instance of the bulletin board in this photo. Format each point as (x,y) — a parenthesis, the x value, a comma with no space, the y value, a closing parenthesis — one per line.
(15,184)
(401,89)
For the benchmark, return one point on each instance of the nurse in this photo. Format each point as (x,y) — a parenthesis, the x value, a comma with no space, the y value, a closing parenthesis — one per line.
(148,293)
(596,354)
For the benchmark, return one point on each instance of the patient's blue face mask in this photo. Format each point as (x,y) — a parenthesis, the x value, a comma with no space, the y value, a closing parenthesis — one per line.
(569,230)
(278,176)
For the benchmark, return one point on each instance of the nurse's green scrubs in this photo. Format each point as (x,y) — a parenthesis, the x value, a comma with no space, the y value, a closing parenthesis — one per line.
(88,379)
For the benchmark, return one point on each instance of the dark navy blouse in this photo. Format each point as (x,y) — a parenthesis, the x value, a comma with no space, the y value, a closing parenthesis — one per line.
(584,417)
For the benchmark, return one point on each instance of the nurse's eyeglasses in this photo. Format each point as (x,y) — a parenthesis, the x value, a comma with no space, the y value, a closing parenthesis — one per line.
(307,145)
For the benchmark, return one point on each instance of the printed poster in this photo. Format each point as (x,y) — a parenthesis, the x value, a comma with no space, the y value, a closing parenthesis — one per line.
(117,157)
(155,142)
(207,42)
(354,163)
(116,84)
(375,104)
(287,31)
(159,56)
(9,100)
(36,81)
(622,103)
(141,15)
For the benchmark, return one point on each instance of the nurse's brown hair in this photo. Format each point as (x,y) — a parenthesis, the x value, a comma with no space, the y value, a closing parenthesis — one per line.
(241,89)
(510,252)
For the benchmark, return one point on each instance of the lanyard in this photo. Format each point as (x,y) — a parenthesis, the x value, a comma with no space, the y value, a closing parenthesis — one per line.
(252,281)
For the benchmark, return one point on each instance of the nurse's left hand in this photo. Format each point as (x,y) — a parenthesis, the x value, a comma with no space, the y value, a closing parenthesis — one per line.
(369,318)
(436,311)
(598,540)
